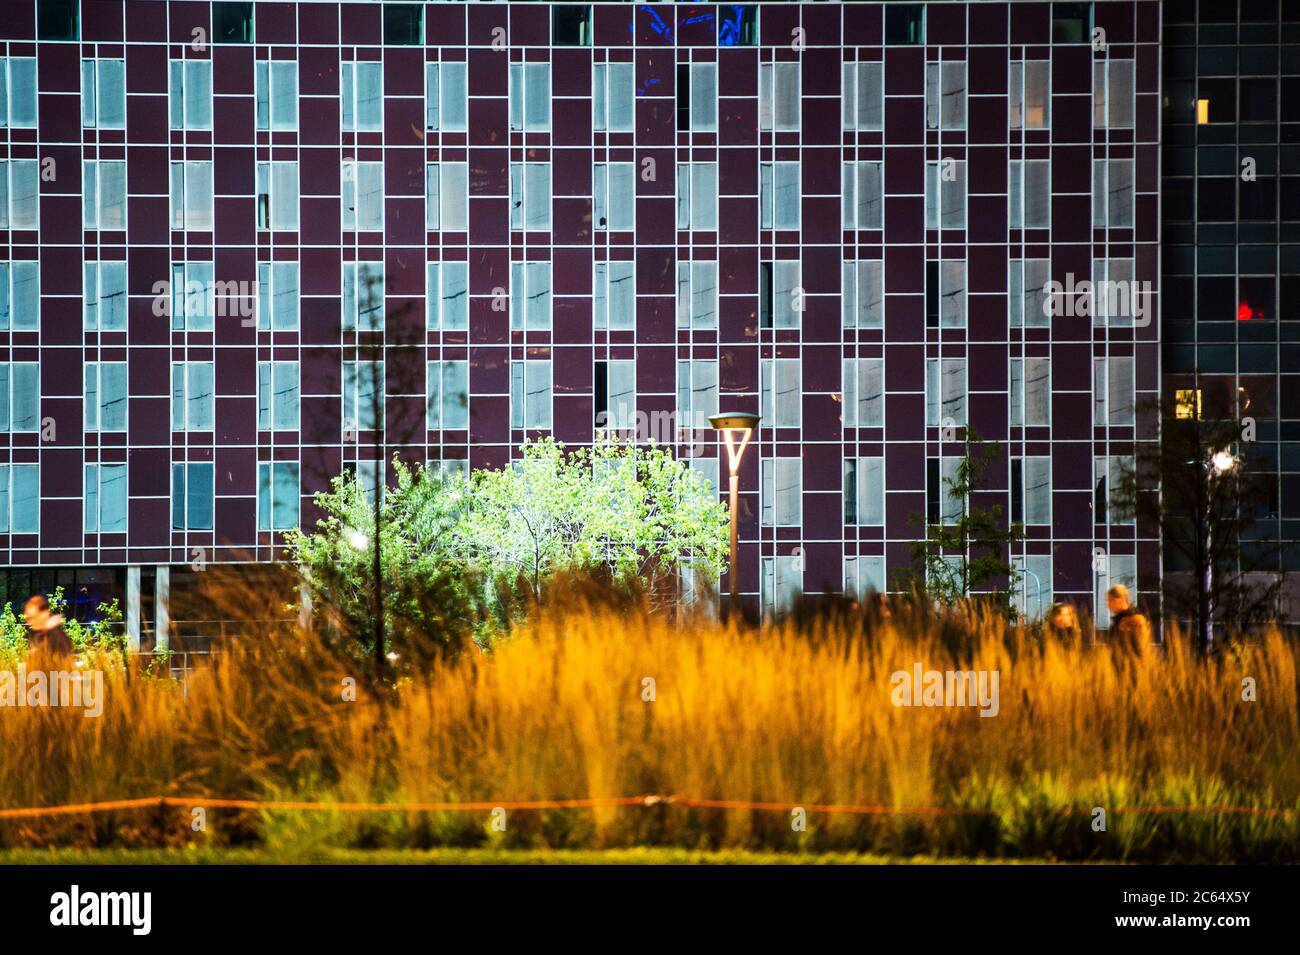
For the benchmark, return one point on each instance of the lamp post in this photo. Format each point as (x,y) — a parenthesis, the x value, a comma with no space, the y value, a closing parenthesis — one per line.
(1218,464)
(735,425)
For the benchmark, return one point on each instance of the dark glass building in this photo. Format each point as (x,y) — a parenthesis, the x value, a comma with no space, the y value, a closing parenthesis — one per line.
(1231,249)
(247,246)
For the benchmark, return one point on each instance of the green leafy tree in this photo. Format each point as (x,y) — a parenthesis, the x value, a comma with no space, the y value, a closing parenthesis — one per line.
(635,512)
(431,601)
(456,554)
(1198,487)
(968,555)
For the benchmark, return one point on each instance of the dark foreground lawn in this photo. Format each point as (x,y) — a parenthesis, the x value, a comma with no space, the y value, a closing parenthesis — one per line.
(458,857)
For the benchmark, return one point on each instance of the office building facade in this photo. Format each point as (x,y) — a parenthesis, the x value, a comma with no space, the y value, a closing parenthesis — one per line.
(229,226)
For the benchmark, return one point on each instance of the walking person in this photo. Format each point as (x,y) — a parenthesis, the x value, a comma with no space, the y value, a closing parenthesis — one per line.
(1129,627)
(1062,623)
(47,645)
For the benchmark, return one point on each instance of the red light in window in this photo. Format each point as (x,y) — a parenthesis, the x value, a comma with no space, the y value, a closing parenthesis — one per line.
(1244,312)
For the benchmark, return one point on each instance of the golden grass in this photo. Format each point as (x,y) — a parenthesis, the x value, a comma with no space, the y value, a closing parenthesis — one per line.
(796,715)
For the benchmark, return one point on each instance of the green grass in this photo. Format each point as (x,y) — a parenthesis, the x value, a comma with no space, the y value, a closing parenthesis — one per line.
(197,856)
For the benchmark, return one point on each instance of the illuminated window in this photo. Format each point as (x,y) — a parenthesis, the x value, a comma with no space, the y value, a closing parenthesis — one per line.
(1187,403)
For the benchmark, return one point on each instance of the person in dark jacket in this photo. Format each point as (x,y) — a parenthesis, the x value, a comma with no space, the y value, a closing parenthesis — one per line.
(1129,627)
(46,641)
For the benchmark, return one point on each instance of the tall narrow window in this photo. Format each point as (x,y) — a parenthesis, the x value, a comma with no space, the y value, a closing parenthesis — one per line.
(864,392)
(1112,94)
(103,94)
(1112,193)
(192,395)
(105,498)
(105,396)
(1113,391)
(781,491)
(20,498)
(863,96)
(363,395)
(278,491)
(277,296)
(778,195)
(530,97)
(1030,193)
(1030,392)
(1028,302)
(448,395)
(530,295)
(18,98)
(277,94)
(945,194)
(530,394)
(952,293)
(362,95)
(781,584)
(1032,591)
(446,103)
(277,395)
(20,396)
(448,296)
(191,196)
(191,94)
(863,294)
(615,295)
(1037,476)
(192,496)
(697,196)
(1113,292)
(697,392)
(192,296)
(105,296)
(778,96)
(613,97)
(20,296)
(363,296)
(277,196)
(780,395)
(945,392)
(697,294)
(945,95)
(1029,94)
(530,196)
(20,203)
(614,196)
(104,194)
(867,492)
(452,197)
(363,196)
(863,197)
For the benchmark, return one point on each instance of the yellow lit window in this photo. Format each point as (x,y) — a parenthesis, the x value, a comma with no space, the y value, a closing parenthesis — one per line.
(1187,403)
(1202,112)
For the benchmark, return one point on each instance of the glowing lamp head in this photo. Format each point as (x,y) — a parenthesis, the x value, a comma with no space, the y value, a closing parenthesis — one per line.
(732,424)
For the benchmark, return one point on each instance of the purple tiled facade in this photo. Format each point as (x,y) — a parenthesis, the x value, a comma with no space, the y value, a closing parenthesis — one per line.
(971,137)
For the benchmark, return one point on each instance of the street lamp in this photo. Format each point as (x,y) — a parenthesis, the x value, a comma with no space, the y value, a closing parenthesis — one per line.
(1218,464)
(735,426)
